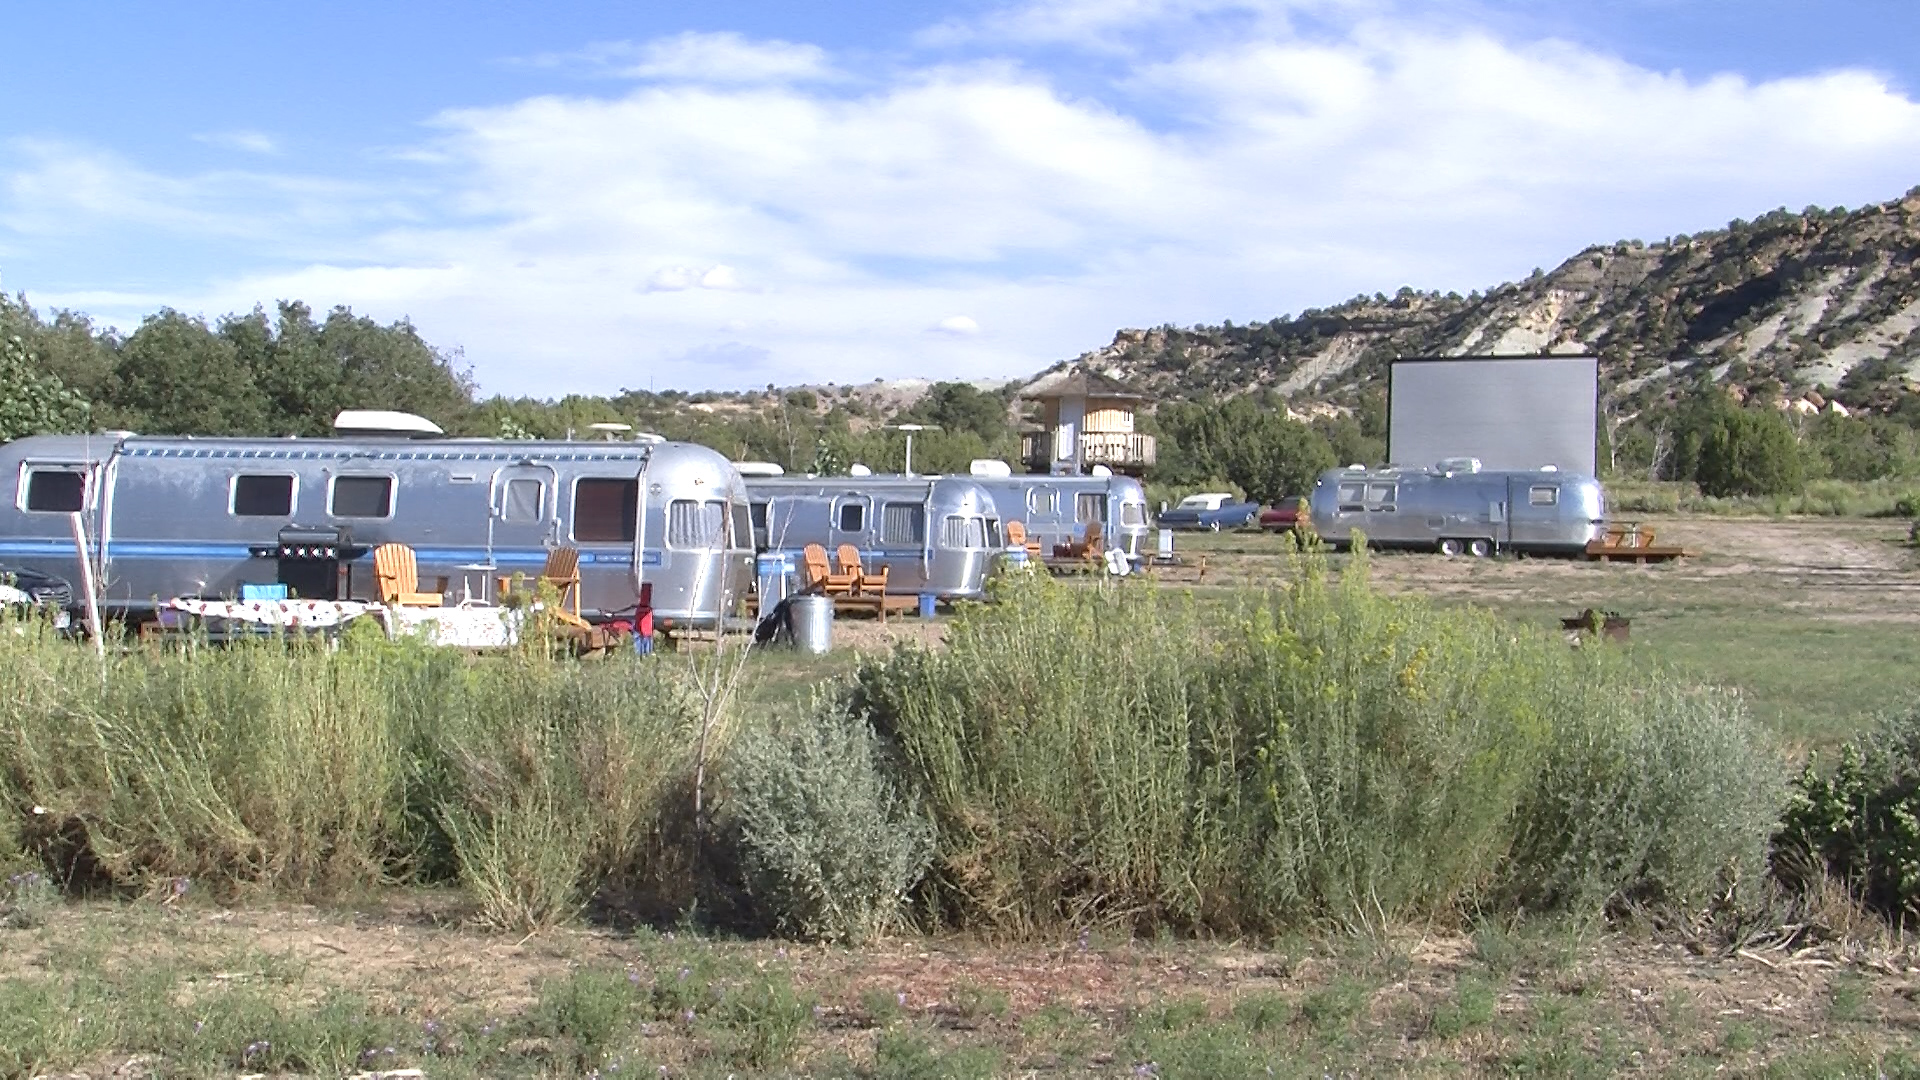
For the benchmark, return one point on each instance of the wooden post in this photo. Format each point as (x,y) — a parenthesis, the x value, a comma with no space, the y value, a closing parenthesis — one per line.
(89,584)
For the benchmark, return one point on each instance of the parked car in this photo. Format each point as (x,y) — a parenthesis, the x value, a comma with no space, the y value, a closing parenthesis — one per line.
(1213,510)
(1289,513)
(23,589)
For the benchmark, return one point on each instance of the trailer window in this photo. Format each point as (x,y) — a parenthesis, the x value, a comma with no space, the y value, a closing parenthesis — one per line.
(1352,497)
(362,496)
(605,509)
(993,532)
(852,516)
(1132,513)
(1043,500)
(964,532)
(1090,506)
(523,500)
(696,525)
(903,524)
(742,519)
(757,514)
(1381,497)
(56,491)
(1543,495)
(262,496)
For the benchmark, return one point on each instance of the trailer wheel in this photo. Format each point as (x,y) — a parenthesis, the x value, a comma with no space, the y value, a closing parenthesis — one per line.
(1448,546)
(1480,547)
(1214,525)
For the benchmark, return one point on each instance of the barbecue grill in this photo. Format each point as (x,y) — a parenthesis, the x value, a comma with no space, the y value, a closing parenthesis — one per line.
(313,560)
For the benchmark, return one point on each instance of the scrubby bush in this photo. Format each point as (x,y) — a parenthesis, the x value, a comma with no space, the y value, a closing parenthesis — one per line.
(828,845)
(1860,821)
(277,766)
(1321,752)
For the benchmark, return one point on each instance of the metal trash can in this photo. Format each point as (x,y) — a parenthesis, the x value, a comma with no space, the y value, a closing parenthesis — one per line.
(812,623)
(927,602)
(773,572)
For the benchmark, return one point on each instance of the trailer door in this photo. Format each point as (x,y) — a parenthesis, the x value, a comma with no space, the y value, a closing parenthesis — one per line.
(1533,510)
(525,505)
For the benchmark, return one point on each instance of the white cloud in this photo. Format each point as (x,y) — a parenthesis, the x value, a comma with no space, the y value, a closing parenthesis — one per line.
(679,278)
(724,57)
(693,233)
(671,279)
(720,277)
(252,142)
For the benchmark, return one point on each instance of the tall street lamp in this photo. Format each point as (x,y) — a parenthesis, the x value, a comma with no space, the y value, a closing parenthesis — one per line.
(910,429)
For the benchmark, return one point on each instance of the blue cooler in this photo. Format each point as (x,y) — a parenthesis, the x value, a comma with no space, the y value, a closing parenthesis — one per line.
(1015,556)
(773,572)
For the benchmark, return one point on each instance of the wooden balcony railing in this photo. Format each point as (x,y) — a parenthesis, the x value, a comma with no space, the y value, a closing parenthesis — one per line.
(1126,450)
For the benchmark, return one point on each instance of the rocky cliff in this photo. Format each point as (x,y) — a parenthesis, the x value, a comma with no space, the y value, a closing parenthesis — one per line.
(1821,303)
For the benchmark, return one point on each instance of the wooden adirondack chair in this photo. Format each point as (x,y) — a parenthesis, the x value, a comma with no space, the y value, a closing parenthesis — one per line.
(397,576)
(563,573)
(864,583)
(1089,547)
(1017,534)
(820,575)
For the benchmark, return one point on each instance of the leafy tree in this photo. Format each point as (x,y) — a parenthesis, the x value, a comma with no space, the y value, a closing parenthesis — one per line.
(962,407)
(1750,452)
(308,372)
(1255,447)
(33,402)
(176,376)
(68,348)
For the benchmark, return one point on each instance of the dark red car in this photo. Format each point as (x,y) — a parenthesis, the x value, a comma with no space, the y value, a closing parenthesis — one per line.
(1286,514)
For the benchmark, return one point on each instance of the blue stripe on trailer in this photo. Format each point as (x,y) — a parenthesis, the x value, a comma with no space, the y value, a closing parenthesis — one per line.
(163,549)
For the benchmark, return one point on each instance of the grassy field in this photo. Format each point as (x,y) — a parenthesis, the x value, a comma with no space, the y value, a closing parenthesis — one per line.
(1811,620)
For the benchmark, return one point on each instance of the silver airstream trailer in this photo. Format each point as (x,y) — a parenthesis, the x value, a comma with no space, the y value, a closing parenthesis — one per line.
(1455,507)
(172,516)
(1057,509)
(936,535)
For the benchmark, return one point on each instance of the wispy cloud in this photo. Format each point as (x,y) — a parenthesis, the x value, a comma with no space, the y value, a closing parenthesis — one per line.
(252,142)
(724,57)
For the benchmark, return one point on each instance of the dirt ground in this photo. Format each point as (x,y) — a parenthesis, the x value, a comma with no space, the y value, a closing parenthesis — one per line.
(1657,1003)
(1831,568)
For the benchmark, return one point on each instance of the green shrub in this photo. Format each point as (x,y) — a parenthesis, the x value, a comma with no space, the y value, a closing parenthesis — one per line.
(828,845)
(1319,752)
(764,1021)
(588,1013)
(272,765)
(554,782)
(1860,822)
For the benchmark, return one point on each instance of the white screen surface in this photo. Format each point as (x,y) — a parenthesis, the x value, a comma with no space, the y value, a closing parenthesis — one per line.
(1511,412)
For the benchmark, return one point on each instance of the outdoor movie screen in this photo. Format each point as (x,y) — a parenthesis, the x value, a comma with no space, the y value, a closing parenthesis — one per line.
(1511,412)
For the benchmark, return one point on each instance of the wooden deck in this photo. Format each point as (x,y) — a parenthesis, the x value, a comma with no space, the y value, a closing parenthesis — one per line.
(1632,542)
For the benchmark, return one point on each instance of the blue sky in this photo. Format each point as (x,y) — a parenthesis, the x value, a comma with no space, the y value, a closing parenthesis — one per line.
(584,196)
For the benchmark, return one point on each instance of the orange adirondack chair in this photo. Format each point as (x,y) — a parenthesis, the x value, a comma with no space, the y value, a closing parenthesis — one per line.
(820,574)
(397,576)
(863,582)
(563,573)
(1090,547)
(1017,534)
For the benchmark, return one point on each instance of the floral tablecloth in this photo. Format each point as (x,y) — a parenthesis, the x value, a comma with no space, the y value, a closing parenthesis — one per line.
(470,627)
(288,614)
